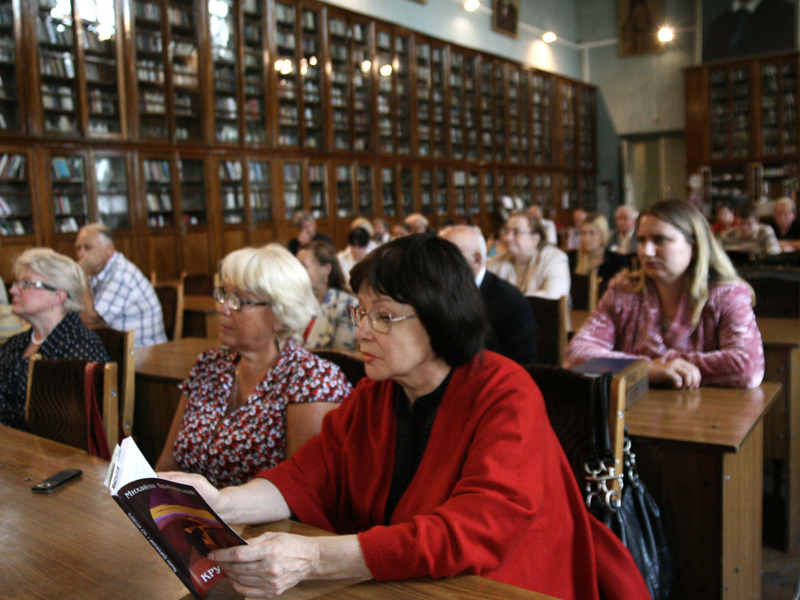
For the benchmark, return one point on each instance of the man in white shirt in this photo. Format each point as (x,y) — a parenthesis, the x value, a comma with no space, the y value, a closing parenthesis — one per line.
(623,241)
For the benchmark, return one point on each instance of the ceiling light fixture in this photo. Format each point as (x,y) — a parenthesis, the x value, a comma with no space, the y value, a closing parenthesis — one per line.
(549,37)
(471,5)
(665,34)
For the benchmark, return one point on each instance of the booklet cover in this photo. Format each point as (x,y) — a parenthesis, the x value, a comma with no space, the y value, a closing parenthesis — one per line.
(173,517)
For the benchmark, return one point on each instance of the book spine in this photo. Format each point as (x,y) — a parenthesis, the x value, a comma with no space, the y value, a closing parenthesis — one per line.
(158,548)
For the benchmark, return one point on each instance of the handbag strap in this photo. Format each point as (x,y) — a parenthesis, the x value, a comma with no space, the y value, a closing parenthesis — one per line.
(96,442)
(602,497)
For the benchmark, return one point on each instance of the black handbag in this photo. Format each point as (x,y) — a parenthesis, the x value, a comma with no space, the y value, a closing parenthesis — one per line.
(622,502)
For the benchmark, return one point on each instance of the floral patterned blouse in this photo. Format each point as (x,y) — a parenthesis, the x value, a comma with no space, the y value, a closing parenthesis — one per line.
(725,345)
(230,450)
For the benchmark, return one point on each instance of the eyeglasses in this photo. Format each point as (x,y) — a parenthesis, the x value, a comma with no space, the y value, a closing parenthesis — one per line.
(515,232)
(380,320)
(233,301)
(27,284)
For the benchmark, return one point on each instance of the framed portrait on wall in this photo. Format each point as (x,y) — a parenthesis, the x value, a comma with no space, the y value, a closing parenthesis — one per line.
(748,28)
(638,22)
(505,17)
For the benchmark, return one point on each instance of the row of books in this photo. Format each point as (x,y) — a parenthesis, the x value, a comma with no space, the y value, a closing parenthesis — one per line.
(12,166)
(62,203)
(13,227)
(158,202)
(55,31)
(57,66)
(63,167)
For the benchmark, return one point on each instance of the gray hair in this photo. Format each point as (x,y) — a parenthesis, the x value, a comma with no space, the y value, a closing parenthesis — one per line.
(106,236)
(274,275)
(56,270)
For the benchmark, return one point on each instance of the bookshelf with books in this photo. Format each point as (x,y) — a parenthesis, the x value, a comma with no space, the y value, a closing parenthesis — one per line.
(426,192)
(254,43)
(567,121)
(313,94)
(58,82)
(287,68)
(16,213)
(69,191)
(779,89)
(388,191)
(185,74)
(406,190)
(151,44)
(541,107)
(112,189)
(463,104)
(10,99)
(343,191)
(393,104)
(317,189)
(365,178)
(259,179)
(224,40)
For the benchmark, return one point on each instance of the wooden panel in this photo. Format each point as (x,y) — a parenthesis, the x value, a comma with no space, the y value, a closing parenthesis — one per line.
(196,253)
(233,239)
(697,116)
(163,250)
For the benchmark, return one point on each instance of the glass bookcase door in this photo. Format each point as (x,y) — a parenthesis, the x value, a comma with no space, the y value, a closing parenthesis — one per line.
(514,90)
(224,43)
(286,66)
(70,197)
(442,201)
(150,79)
(9,83)
(473,193)
(406,190)
(543,192)
(339,34)
(231,184)
(318,190)
(439,93)
(779,90)
(730,112)
(311,75)
(193,192)
(345,196)
(385,98)
(567,93)
(159,193)
(541,118)
(111,184)
(456,105)
(15,194)
(394,92)
(486,98)
(185,74)
(292,188)
(255,106)
(388,192)
(102,65)
(260,179)
(499,111)
(361,73)
(521,188)
(402,74)
(460,191)
(587,117)
(426,191)
(424,110)
(366,190)
(57,67)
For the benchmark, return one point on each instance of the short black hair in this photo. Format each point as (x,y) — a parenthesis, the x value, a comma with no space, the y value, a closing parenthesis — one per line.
(432,275)
(359,237)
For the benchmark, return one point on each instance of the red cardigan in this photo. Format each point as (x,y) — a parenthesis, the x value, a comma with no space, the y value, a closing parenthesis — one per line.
(494,494)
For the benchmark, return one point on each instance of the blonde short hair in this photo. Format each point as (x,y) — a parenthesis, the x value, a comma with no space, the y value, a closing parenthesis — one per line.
(56,270)
(274,275)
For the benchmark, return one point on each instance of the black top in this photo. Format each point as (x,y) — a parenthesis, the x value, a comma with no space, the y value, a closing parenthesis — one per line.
(70,339)
(793,233)
(511,319)
(294,243)
(414,425)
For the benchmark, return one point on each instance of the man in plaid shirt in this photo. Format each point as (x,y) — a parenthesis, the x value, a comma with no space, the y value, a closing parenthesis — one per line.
(119,294)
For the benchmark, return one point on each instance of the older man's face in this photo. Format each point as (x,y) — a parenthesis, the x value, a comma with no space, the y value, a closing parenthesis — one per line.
(625,221)
(93,251)
(784,216)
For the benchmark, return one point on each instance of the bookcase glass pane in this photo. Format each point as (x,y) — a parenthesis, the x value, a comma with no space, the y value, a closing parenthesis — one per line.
(344,191)
(255,108)
(112,192)
(317,192)
(366,191)
(407,191)
(15,195)
(442,207)
(222,29)
(231,191)
(193,192)
(286,67)
(311,73)
(426,191)
(260,191)
(185,70)
(70,206)
(101,64)
(158,193)
(9,86)
(339,34)
(388,196)
(361,71)
(152,95)
(292,188)
(440,114)
(402,73)
(457,105)
(59,85)
(423,87)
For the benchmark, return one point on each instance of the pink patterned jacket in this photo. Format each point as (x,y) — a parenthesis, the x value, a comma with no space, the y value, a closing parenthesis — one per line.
(725,345)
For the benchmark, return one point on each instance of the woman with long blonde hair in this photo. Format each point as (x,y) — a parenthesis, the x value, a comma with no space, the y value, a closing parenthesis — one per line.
(686,310)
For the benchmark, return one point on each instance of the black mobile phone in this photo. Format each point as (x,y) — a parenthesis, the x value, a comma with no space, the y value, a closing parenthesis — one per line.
(56,481)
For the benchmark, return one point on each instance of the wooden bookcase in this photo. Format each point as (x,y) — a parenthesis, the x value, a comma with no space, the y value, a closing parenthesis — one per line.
(194,127)
(742,128)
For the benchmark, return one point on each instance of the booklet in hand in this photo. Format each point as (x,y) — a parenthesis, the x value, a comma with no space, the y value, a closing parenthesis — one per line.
(174,518)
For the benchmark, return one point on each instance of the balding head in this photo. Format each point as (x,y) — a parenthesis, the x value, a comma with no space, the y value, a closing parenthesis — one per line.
(417,223)
(94,247)
(470,241)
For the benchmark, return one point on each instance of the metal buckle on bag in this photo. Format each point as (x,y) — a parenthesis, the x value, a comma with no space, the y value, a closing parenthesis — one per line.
(598,486)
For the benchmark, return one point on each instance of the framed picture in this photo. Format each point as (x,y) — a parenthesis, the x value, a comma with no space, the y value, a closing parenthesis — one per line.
(728,33)
(638,22)
(505,17)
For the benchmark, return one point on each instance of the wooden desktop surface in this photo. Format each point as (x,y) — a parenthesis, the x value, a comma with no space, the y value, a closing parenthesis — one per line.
(77,544)
(172,360)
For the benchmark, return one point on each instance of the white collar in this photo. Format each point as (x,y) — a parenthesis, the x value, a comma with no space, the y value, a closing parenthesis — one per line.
(479,277)
(749,5)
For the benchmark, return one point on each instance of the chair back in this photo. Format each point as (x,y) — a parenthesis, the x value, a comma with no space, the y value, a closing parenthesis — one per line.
(171,298)
(351,366)
(776,297)
(198,284)
(120,347)
(552,321)
(74,402)
(583,290)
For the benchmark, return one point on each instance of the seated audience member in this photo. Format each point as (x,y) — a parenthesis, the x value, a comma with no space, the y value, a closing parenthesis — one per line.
(332,327)
(400,230)
(118,294)
(381,228)
(417,223)
(548,224)
(48,294)
(306,232)
(787,227)
(749,235)
(441,462)
(593,253)
(574,233)
(536,267)
(623,240)
(358,242)
(724,218)
(365,223)
(686,310)
(510,315)
(254,401)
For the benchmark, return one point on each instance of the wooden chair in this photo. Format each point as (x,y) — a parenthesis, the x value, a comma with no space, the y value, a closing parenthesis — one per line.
(352,367)
(572,401)
(198,284)
(120,347)
(584,291)
(57,406)
(552,324)
(171,298)
(776,297)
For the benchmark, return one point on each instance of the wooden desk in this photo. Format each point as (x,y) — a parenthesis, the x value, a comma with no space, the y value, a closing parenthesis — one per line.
(159,370)
(200,317)
(77,543)
(781,339)
(700,453)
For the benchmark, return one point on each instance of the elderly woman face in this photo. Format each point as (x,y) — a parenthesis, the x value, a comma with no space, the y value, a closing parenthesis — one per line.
(251,328)
(393,341)
(29,301)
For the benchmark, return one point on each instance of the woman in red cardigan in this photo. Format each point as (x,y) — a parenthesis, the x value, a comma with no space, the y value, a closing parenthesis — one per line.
(441,462)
